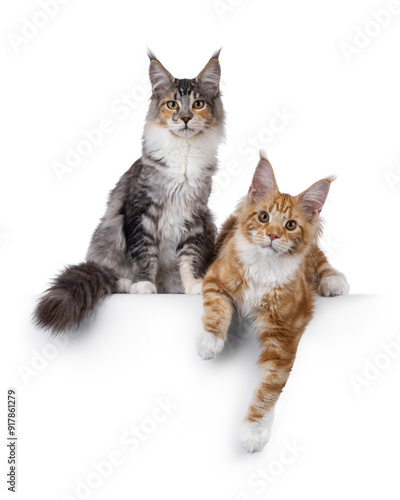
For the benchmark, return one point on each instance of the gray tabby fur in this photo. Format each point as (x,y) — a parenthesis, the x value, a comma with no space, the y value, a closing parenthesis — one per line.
(157,234)
(167,196)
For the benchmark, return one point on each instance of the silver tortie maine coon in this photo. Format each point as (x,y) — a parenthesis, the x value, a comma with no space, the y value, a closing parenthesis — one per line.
(157,234)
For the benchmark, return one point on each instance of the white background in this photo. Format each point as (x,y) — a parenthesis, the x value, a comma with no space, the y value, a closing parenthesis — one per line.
(343,118)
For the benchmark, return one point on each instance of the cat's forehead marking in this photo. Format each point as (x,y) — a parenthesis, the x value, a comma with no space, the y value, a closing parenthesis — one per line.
(282,206)
(278,210)
(185,87)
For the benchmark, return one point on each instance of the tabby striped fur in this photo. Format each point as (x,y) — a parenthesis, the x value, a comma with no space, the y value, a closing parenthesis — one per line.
(269,275)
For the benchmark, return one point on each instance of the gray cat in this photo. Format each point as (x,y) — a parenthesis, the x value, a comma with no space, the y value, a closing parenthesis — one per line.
(157,234)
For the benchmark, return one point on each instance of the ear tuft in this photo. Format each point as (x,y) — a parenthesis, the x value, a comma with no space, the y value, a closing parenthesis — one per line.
(151,55)
(216,54)
(314,198)
(160,78)
(330,179)
(210,76)
(263,183)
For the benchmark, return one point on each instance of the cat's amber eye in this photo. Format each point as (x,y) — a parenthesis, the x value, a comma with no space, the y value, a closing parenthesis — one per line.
(198,104)
(172,104)
(263,217)
(290,225)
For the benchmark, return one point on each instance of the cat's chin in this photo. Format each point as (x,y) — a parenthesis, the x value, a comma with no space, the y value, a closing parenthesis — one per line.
(269,247)
(268,250)
(184,132)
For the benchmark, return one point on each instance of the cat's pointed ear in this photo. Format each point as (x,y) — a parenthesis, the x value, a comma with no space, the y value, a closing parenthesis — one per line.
(313,199)
(160,78)
(263,183)
(210,76)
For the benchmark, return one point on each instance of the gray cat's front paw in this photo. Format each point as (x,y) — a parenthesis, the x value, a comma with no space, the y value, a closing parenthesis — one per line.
(331,286)
(143,287)
(195,287)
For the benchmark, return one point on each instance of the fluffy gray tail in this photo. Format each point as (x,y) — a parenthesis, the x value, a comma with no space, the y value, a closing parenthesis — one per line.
(73,296)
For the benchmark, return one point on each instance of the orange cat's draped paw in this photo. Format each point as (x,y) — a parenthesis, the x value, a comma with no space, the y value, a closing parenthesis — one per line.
(255,435)
(208,345)
(331,286)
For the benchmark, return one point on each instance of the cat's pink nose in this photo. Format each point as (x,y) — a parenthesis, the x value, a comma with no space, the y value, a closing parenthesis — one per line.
(273,236)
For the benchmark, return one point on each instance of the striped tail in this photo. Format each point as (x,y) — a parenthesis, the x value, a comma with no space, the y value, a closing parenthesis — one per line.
(73,296)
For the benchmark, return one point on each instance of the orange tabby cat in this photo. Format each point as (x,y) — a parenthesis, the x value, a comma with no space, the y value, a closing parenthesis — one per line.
(269,268)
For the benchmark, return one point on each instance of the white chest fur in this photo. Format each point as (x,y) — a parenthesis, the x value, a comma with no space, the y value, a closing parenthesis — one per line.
(185,158)
(185,172)
(264,272)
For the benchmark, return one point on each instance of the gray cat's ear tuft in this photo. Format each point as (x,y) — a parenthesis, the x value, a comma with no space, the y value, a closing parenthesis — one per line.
(160,78)
(210,76)
(216,54)
(313,198)
(263,183)
(151,55)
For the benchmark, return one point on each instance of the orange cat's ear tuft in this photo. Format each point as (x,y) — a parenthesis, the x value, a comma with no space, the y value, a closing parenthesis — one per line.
(263,183)
(313,198)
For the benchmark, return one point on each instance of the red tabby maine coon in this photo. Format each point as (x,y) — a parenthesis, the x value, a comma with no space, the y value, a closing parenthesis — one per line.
(269,269)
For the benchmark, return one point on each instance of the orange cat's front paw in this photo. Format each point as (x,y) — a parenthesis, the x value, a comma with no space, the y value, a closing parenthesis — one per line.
(331,286)
(208,345)
(256,434)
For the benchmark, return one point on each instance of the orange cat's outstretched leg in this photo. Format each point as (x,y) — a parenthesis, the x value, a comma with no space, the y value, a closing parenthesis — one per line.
(330,282)
(217,316)
(276,361)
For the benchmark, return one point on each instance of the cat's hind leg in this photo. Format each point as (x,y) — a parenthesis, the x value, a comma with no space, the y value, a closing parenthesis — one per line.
(124,285)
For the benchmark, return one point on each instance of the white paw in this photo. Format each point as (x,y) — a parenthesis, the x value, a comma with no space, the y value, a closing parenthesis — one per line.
(208,345)
(143,287)
(333,285)
(124,285)
(255,435)
(195,288)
